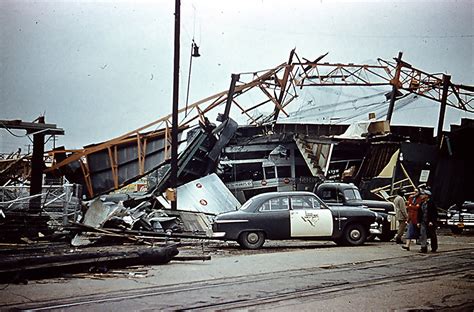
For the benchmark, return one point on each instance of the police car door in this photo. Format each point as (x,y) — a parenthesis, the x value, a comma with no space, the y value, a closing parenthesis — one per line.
(308,218)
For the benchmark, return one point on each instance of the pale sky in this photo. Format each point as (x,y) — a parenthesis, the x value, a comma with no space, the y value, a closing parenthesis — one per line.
(101,69)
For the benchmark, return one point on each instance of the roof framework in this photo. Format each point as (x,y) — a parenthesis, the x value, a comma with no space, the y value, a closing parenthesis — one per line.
(277,88)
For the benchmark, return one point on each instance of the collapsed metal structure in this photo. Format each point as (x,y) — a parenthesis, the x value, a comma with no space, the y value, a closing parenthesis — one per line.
(110,165)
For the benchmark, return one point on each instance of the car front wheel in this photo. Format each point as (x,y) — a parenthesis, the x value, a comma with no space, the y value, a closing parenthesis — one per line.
(251,239)
(355,234)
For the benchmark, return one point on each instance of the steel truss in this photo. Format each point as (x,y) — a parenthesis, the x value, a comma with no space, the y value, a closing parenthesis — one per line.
(277,87)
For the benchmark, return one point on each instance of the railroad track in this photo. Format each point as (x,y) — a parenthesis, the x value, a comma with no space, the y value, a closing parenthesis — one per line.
(269,288)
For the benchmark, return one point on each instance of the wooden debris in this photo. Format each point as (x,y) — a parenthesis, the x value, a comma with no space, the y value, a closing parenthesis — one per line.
(39,266)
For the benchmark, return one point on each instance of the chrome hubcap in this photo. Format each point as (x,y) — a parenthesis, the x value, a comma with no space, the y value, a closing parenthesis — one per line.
(252,238)
(355,234)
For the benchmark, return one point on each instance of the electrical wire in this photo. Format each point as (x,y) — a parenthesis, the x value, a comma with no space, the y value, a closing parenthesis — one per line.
(15,135)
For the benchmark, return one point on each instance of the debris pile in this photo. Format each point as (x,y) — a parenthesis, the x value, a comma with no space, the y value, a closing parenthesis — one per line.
(138,217)
(103,214)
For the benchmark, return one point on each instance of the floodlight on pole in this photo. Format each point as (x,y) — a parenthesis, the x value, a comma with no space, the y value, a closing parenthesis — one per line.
(194,53)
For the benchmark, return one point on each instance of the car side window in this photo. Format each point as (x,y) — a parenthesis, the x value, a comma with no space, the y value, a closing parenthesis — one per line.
(332,195)
(275,204)
(328,194)
(304,202)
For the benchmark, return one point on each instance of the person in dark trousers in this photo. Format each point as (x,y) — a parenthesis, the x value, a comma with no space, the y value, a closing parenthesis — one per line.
(400,214)
(427,217)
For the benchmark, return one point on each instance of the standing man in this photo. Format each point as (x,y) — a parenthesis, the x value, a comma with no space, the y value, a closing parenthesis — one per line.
(400,214)
(427,217)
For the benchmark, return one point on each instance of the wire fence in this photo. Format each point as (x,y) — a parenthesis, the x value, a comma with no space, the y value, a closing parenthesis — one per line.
(60,203)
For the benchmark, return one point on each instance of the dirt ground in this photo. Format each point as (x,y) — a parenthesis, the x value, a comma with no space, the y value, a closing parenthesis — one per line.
(256,277)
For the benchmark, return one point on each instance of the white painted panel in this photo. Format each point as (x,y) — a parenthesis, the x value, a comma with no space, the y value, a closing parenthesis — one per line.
(311,222)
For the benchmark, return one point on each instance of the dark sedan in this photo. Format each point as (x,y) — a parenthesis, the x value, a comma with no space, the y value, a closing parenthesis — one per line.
(288,215)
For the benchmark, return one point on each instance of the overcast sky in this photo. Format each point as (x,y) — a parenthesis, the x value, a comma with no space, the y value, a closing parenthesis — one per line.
(101,69)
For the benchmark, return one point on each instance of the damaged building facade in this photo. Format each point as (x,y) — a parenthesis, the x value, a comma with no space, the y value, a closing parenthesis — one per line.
(271,154)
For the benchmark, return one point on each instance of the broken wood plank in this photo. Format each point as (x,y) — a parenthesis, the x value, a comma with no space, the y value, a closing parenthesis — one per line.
(192,258)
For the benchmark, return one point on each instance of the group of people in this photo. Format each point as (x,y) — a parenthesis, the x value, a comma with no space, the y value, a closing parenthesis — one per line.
(417,215)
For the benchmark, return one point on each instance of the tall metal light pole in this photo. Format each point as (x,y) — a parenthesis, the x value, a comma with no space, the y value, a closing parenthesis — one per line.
(174,125)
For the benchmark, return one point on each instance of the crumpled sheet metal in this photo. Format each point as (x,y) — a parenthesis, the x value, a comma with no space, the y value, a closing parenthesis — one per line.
(96,215)
(208,194)
(99,212)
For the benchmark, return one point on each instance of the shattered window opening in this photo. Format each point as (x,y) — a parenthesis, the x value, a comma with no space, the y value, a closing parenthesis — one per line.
(270,172)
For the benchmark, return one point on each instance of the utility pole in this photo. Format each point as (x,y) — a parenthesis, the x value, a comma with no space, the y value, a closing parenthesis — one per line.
(37,164)
(39,130)
(174,125)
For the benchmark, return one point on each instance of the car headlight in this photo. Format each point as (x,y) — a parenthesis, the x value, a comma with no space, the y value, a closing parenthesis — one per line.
(379,218)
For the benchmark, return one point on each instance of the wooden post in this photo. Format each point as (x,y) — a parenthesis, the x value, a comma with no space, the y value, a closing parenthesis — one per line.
(37,164)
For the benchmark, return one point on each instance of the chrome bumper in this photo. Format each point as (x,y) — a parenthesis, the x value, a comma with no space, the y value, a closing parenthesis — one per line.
(218,235)
(375,228)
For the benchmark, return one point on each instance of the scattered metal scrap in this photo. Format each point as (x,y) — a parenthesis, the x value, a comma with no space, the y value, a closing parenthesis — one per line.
(139,220)
(100,216)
